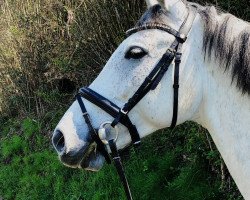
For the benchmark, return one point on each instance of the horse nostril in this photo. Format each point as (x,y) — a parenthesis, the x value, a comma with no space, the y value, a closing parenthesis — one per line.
(58,141)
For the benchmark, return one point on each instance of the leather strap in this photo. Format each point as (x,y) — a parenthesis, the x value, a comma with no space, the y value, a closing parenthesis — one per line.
(151,81)
(111,109)
(185,28)
(119,168)
(176,86)
(162,27)
(100,146)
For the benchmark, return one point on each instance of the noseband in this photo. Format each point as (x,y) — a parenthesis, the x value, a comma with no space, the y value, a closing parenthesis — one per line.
(120,115)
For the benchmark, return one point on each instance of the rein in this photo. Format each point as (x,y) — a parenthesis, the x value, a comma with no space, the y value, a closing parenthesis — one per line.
(150,83)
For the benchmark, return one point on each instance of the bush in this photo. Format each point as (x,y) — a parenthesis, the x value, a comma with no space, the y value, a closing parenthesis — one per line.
(46,44)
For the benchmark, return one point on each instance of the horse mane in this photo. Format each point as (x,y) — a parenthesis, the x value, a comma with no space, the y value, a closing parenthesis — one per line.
(231,53)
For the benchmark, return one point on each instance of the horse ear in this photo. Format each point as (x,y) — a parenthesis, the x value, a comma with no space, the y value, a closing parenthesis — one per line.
(168,4)
(151,3)
(176,7)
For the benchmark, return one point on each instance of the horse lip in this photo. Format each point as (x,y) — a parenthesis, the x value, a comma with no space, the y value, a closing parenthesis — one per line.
(87,156)
(93,162)
(74,157)
(81,159)
(85,162)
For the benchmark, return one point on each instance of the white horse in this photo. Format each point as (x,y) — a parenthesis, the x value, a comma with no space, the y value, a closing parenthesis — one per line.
(214,88)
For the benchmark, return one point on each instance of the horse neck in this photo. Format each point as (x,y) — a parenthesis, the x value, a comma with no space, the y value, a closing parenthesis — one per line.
(224,111)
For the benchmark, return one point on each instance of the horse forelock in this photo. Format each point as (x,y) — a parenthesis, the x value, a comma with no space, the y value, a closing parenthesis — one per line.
(232,53)
(154,15)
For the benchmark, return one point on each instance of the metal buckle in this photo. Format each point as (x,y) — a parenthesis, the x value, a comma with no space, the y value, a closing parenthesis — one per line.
(137,143)
(106,132)
(85,113)
(123,111)
(171,50)
(182,37)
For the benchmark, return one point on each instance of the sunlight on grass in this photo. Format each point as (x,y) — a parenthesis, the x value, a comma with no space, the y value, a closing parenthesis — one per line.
(167,166)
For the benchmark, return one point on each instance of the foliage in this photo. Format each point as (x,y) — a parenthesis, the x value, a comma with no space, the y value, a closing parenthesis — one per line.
(45,43)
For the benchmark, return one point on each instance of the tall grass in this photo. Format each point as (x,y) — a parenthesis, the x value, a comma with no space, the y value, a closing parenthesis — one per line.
(47,41)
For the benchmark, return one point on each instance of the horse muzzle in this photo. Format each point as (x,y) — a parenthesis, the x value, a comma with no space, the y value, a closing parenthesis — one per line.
(86,156)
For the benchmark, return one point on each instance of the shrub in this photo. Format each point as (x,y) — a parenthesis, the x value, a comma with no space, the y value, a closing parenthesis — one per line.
(47,42)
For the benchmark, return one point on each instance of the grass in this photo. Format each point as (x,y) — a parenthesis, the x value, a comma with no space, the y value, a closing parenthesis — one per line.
(167,166)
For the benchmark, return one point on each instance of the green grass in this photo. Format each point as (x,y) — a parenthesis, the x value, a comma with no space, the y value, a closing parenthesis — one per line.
(167,166)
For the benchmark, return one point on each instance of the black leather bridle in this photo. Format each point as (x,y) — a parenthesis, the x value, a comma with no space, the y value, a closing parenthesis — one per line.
(150,83)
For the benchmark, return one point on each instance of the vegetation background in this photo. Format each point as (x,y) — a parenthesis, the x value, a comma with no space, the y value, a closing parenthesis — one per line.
(48,49)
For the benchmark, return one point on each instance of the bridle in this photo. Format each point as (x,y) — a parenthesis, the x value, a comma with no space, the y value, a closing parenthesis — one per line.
(150,83)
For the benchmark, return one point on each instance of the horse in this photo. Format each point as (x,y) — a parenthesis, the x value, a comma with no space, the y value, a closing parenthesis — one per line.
(213,89)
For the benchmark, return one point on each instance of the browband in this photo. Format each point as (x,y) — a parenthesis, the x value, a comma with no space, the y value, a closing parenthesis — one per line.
(181,37)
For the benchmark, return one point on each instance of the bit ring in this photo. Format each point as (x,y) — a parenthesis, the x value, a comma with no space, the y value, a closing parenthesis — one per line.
(106,132)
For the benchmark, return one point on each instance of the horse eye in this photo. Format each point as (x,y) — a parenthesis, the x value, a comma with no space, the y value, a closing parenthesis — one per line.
(135,53)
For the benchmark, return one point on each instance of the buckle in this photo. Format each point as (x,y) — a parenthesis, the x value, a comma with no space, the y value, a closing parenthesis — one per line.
(182,37)
(177,61)
(123,111)
(137,143)
(85,113)
(171,50)
(106,132)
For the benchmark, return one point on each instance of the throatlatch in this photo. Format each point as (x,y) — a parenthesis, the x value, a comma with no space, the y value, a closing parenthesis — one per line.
(150,83)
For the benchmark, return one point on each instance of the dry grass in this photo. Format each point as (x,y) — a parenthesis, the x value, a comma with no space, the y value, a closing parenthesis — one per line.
(45,41)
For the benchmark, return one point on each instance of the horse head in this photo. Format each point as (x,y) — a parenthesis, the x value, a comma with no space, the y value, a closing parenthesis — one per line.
(123,74)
